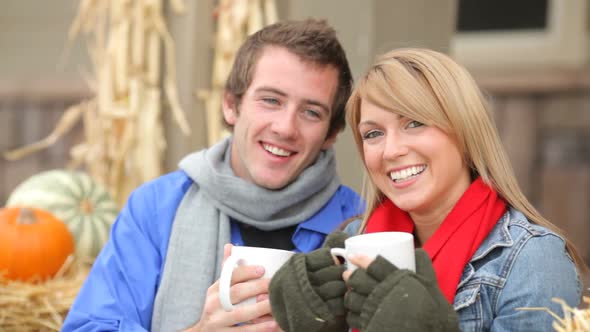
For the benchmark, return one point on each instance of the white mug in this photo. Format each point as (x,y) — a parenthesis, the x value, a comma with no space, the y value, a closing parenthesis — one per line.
(396,247)
(270,259)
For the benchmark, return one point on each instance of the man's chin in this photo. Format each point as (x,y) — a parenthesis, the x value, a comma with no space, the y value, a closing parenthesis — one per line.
(275,183)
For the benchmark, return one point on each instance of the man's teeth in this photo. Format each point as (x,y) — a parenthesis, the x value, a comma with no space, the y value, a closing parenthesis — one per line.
(407,173)
(276,151)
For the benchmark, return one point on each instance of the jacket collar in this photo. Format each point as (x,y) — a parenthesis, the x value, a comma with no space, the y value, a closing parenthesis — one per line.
(498,237)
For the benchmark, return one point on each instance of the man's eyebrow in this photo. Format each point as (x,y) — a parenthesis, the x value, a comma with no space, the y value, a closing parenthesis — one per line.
(283,94)
(270,89)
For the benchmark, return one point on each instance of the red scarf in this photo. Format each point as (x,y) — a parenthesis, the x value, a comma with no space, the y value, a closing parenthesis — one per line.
(456,239)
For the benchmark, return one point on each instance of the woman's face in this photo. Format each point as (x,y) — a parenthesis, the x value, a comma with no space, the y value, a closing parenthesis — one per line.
(418,167)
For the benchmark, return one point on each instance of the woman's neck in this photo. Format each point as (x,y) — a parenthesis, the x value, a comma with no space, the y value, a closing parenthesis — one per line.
(426,224)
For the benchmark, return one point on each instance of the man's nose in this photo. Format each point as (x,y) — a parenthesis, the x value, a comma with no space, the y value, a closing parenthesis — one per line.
(285,124)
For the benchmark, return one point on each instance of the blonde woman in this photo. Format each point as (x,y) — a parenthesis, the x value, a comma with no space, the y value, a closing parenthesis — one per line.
(436,168)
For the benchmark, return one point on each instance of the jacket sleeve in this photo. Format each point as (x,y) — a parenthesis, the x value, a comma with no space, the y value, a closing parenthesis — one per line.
(541,272)
(119,292)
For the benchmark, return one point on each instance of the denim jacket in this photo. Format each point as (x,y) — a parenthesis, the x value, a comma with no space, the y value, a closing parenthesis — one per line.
(519,265)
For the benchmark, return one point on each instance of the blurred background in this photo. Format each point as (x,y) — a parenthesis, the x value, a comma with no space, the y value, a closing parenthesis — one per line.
(530,56)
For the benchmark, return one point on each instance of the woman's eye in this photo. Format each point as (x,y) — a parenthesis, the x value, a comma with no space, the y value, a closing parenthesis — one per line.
(372,134)
(415,124)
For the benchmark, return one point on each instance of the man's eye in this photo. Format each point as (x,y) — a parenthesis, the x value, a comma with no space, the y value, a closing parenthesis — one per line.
(272,101)
(372,134)
(415,124)
(313,113)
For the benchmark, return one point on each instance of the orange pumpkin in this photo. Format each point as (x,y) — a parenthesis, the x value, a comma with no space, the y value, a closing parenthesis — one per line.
(33,244)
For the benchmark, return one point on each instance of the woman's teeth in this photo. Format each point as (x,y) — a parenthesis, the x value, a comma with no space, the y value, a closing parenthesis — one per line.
(407,173)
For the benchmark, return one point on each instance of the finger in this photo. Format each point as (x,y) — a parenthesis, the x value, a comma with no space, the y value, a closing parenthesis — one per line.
(262,297)
(359,260)
(241,274)
(380,268)
(424,265)
(346,275)
(331,289)
(336,240)
(245,273)
(268,326)
(361,282)
(247,313)
(252,288)
(227,250)
(337,306)
(332,273)
(261,319)
(354,301)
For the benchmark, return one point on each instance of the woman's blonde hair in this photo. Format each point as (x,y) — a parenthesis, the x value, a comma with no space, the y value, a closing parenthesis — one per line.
(431,88)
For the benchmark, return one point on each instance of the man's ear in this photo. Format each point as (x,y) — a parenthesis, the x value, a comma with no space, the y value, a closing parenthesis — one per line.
(230,109)
(330,140)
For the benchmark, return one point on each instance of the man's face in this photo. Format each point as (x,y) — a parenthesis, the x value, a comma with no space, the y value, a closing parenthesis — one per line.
(282,121)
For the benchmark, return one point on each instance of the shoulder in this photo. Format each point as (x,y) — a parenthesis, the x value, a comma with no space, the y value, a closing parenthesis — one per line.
(537,260)
(351,227)
(346,193)
(352,204)
(520,265)
(166,188)
(168,182)
(538,269)
(519,225)
(536,243)
(152,206)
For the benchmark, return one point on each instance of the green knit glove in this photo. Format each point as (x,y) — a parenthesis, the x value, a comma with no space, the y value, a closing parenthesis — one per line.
(385,298)
(307,292)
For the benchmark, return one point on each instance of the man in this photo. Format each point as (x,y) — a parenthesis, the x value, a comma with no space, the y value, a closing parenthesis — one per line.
(271,184)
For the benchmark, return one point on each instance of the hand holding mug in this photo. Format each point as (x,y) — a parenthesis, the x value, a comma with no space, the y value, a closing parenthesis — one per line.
(270,259)
(246,282)
(396,247)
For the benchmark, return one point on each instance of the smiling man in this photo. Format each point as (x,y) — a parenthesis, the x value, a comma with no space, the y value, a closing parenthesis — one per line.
(273,184)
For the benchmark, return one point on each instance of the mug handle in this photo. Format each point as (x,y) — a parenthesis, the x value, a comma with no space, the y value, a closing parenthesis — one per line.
(225,282)
(339,252)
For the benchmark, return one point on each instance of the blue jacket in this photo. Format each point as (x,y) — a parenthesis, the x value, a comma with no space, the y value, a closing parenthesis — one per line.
(119,293)
(518,265)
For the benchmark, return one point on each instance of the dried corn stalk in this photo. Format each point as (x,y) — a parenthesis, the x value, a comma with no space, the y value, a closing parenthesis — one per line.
(573,320)
(236,19)
(123,133)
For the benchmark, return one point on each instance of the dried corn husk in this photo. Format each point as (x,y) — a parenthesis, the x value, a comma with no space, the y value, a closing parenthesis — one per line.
(235,21)
(41,306)
(123,132)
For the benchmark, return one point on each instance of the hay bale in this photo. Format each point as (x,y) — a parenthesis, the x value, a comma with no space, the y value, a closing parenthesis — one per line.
(42,306)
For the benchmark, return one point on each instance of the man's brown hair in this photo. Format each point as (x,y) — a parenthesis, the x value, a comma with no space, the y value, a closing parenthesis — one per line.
(312,41)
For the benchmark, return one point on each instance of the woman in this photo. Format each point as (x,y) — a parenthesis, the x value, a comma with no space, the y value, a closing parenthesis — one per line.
(437,169)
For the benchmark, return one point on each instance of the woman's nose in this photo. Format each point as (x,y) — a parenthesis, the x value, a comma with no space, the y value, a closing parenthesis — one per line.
(395,146)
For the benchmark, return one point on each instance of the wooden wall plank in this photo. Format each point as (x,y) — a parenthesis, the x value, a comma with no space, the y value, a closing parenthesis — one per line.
(519,135)
(565,201)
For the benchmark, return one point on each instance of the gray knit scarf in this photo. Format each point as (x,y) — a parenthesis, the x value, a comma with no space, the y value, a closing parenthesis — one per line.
(201,226)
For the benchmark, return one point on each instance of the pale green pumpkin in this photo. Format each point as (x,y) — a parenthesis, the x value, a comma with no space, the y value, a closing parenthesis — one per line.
(83,205)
